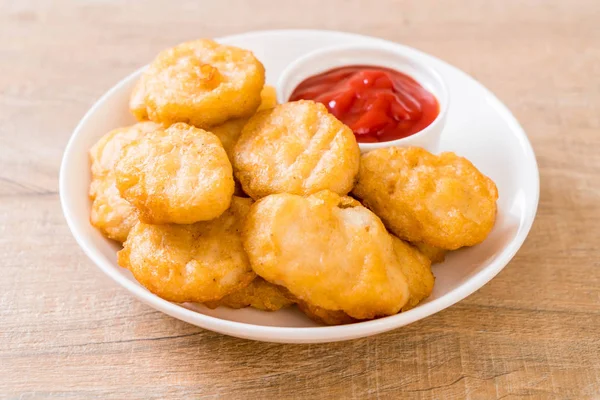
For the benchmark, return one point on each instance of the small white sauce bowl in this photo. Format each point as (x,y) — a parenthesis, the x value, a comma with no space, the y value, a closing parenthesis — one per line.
(383,56)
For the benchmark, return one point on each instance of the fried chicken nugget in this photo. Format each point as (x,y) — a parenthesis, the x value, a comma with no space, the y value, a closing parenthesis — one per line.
(327,250)
(176,175)
(201,82)
(200,262)
(435,254)
(296,148)
(325,317)
(258,294)
(106,152)
(442,201)
(110,213)
(416,267)
(229,132)
(268,98)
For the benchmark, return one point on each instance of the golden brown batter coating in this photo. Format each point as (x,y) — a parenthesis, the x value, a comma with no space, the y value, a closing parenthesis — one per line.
(296,148)
(327,250)
(200,262)
(177,175)
(201,83)
(416,267)
(325,317)
(258,294)
(435,254)
(110,213)
(229,132)
(442,201)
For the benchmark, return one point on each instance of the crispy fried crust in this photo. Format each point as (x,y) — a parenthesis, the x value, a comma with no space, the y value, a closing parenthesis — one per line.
(416,267)
(258,294)
(229,132)
(110,213)
(435,254)
(268,98)
(201,83)
(442,201)
(177,175)
(200,262)
(325,317)
(105,153)
(296,148)
(328,251)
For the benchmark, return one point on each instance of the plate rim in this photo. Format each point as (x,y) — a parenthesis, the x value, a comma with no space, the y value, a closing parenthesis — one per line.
(318,334)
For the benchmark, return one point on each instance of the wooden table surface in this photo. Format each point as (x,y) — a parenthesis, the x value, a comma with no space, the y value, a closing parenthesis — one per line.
(67,331)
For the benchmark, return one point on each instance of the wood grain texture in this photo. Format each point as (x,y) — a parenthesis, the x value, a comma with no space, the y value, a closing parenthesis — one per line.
(66,331)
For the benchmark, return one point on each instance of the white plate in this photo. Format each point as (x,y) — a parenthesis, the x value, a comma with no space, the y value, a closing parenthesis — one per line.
(479,127)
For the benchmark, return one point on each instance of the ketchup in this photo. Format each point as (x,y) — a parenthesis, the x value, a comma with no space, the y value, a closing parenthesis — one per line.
(378,104)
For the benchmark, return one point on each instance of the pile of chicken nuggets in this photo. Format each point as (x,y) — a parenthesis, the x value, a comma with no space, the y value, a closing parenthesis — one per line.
(221,196)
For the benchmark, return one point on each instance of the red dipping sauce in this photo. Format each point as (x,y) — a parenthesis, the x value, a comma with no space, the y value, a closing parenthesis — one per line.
(379,104)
